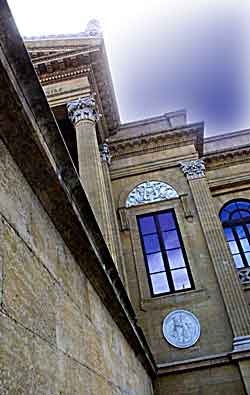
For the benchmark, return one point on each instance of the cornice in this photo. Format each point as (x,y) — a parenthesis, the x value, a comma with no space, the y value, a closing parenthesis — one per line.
(154,142)
(64,62)
(153,165)
(225,158)
(57,77)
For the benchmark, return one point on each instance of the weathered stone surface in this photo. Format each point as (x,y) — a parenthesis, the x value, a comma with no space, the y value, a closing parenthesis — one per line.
(57,337)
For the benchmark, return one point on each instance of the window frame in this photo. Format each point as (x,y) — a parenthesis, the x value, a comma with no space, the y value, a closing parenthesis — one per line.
(168,270)
(231,224)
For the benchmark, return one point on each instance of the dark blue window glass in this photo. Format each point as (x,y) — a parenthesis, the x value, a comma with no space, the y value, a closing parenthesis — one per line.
(166,221)
(147,225)
(151,243)
(235,218)
(165,258)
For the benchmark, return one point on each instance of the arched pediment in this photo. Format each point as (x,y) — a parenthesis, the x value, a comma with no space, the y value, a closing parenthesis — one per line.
(149,192)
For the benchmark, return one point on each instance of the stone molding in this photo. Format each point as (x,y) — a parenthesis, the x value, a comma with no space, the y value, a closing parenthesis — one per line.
(83,108)
(207,361)
(105,153)
(225,158)
(193,168)
(194,363)
(158,141)
(64,76)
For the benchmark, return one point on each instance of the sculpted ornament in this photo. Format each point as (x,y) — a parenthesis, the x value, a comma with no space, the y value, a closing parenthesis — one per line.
(193,168)
(83,108)
(93,28)
(181,329)
(105,153)
(150,191)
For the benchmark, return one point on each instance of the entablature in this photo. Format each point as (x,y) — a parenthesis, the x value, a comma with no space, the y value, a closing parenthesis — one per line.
(62,58)
(158,141)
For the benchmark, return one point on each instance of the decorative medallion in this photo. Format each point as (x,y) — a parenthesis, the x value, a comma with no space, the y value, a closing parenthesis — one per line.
(181,329)
(150,191)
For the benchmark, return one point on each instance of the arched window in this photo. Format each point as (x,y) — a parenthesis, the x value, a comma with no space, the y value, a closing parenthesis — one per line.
(235,218)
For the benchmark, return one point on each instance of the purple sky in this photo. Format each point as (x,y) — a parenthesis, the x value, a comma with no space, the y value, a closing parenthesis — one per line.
(164,55)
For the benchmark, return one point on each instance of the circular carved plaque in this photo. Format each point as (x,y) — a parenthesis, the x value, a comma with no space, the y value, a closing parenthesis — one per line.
(181,329)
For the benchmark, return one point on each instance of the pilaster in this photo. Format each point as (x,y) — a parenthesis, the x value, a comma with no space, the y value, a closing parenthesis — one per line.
(113,222)
(232,293)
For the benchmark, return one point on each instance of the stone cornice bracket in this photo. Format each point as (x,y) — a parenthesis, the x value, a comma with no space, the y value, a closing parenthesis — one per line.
(193,168)
(105,153)
(83,108)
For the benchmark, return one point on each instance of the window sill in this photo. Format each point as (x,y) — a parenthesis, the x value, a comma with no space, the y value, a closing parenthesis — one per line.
(171,300)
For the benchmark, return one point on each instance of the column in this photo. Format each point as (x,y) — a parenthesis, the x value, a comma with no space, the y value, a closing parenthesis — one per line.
(114,227)
(82,113)
(232,293)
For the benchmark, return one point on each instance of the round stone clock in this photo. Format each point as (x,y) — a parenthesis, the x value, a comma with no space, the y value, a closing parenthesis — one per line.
(181,329)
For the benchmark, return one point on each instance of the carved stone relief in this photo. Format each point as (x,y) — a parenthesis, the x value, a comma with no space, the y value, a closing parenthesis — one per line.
(82,108)
(193,168)
(105,153)
(181,329)
(150,191)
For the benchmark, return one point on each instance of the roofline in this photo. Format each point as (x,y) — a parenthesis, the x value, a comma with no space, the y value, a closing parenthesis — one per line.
(152,119)
(226,135)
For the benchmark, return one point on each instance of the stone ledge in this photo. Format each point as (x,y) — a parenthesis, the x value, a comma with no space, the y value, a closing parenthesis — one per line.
(207,361)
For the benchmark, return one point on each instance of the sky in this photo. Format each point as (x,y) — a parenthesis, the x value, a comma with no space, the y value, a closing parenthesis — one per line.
(164,55)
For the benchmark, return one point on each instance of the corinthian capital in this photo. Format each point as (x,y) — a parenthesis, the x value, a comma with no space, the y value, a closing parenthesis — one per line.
(82,108)
(193,168)
(105,153)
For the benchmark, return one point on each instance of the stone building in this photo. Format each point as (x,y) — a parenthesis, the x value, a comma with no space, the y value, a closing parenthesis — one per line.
(125,255)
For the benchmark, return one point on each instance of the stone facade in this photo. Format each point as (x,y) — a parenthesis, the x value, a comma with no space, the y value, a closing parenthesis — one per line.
(78,315)
(58,336)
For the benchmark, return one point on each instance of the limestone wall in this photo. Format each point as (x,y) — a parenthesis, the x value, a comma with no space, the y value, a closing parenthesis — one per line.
(56,337)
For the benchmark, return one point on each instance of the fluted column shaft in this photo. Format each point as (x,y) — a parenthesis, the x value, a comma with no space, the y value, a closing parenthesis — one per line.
(232,293)
(83,115)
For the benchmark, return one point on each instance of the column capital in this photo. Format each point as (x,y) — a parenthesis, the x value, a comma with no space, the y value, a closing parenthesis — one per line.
(105,153)
(83,108)
(193,168)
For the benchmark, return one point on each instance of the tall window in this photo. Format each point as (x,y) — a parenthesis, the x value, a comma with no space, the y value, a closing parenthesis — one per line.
(164,253)
(235,218)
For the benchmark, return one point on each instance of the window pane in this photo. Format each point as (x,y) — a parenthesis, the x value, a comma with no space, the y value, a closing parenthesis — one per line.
(244,205)
(147,225)
(238,261)
(171,239)
(166,221)
(236,215)
(247,255)
(180,279)
(175,258)
(240,232)
(151,243)
(245,245)
(229,234)
(159,283)
(224,215)
(248,227)
(231,207)
(155,263)
(244,213)
(233,247)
